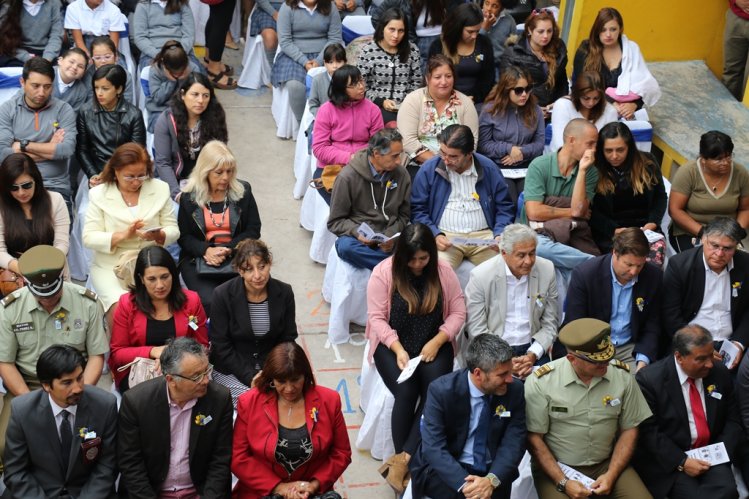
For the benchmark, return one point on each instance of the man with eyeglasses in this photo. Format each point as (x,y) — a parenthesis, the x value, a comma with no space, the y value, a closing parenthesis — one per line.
(47,311)
(175,432)
(35,123)
(462,195)
(584,414)
(709,286)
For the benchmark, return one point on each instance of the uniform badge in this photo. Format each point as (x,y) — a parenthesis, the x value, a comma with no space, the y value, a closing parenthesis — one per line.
(78,324)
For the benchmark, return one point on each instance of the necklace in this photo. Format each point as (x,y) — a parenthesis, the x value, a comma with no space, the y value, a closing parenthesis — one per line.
(223,214)
(705,175)
(130,204)
(291,406)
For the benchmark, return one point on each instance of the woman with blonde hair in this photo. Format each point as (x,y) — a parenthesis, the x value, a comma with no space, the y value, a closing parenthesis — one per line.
(216,211)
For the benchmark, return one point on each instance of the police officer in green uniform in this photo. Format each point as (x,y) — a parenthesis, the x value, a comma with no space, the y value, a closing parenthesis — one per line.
(45,312)
(583,410)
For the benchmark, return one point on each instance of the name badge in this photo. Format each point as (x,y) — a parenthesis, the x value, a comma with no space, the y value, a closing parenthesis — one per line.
(505,414)
(716,395)
(23,327)
(558,409)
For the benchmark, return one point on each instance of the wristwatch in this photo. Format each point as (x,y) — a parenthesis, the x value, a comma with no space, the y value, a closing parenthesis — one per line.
(24,144)
(562,485)
(494,480)
(681,464)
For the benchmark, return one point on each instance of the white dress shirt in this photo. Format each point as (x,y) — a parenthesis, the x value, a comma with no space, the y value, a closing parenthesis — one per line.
(715,312)
(463,211)
(685,393)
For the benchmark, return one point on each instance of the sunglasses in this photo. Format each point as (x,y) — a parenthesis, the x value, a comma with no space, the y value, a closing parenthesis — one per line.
(522,90)
(25,186)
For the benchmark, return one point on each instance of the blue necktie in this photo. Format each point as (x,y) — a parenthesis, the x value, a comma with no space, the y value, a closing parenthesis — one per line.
(480,438)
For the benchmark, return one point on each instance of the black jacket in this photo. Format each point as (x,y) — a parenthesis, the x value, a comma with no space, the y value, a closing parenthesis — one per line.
(101,132)
(244,221)
(234,347)
(520,54)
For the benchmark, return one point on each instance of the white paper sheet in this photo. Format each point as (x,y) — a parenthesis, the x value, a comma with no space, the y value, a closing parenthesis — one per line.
(409,370)
(713,454)
(573,474)
(467,241)
(367,232)
(729,351)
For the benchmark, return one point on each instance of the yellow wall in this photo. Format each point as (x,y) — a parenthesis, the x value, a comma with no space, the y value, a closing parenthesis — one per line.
(665,30)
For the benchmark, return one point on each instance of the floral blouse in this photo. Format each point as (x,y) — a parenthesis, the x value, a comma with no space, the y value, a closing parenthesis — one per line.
(434,123)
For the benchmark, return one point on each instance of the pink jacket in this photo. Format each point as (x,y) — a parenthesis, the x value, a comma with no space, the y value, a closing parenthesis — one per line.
(379,292)
(341,131)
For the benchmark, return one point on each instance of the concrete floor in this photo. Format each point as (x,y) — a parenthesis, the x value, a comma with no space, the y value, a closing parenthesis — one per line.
(267,163)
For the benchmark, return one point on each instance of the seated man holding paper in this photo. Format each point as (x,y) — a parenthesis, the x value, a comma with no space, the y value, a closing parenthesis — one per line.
(373,189)
(691,396)
(583,413)
(709,285)
(463,198)
(623,289)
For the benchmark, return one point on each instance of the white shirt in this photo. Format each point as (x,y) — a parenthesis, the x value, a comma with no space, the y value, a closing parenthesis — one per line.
(99,21)
(57,413)
(517,321)
(685,393)
(463,213)
(61,85)
(33,8)
(715,312)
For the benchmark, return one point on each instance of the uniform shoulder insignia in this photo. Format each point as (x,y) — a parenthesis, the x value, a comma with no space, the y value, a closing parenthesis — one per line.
(89,294)
(620,364)
(8,299)
(543,370)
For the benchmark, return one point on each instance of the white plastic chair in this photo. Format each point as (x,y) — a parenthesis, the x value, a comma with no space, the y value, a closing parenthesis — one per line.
(313,216)
(642,132)
(144,93)
(345,288)
(286,124)
(302,158)
(200,13)
(124,49)
(79,257)
(14,83)
(255,67)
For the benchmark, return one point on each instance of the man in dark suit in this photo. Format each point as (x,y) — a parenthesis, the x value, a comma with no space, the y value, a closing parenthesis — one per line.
(693,404)
(623,289)
(709,286)
(61,438)
(183,411)
(473,429)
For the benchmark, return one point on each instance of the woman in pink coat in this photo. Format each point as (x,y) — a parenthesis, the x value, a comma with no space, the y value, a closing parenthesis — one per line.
(416,308)
(345,123)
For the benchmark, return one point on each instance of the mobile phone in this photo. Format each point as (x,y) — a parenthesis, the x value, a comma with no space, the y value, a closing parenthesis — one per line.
(152,229)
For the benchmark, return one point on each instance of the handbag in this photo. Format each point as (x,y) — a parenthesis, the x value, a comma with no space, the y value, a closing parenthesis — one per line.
(203,269)
(125,269)
(9,282)
(327,179)
(141,369)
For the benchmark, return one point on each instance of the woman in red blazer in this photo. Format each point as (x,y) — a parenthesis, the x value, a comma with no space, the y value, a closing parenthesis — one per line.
(154,311)
(290,438)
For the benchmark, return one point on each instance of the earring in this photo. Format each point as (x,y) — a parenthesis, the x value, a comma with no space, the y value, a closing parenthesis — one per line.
(272,385)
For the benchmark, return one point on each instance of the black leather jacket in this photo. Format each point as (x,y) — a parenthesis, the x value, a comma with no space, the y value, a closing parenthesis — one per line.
(100,132)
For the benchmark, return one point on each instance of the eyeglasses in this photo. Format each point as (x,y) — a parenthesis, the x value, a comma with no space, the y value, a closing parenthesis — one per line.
(198,377)
(25,186)
(723,160)
(101,58)
(522,90)
(359,83)
(536,12)
(718,248)
(130,178)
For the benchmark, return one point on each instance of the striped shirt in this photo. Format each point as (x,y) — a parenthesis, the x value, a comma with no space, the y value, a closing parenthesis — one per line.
(463,211)
(259,317)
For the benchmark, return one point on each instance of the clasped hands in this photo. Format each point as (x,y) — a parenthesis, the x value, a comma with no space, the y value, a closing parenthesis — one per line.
(297,490)
(215,255)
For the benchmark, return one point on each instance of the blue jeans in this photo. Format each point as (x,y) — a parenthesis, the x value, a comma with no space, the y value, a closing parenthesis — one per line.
(353,252)
(565,258)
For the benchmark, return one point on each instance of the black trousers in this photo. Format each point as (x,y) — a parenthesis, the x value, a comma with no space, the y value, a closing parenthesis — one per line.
(715,483)
(203,285)
(217,27)
(434,487)
(411,394)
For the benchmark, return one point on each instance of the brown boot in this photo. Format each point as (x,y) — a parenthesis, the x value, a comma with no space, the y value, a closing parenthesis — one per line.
(395,472)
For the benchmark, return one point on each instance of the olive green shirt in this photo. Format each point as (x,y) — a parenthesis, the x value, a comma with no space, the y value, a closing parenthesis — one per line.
(26,329)
(580,422)
(544,179)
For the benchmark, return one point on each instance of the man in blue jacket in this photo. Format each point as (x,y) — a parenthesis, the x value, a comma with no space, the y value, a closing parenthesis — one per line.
(463,198)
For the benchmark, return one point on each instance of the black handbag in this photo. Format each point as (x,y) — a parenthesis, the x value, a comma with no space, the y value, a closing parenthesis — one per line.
(203,269)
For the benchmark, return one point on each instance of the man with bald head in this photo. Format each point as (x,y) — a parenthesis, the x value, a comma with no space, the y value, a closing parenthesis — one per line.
(559,188)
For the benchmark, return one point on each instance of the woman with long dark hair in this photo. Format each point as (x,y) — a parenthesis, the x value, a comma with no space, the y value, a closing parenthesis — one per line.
(194,118)
(390,64)
(511,127)
(305,28)
(630,190)
(155,310)
(11,54)
(345,123)
(29,214)
(607,51)
(471,52)
(543,53)
(169,70)
(415,307)
(587,101)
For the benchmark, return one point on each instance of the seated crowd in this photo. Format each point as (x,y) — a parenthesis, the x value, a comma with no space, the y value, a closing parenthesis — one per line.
(573,343)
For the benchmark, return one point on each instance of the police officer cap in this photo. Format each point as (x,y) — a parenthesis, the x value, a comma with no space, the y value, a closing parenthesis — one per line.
(588,338)
(41,267)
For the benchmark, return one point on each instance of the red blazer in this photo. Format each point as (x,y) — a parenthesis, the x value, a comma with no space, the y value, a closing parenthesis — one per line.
(256,434)
(129,330)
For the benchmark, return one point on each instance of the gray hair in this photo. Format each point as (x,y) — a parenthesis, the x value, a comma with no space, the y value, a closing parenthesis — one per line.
(690,337)
(383,140)
(486,352)
(725,226)
(175,352)
(515,234)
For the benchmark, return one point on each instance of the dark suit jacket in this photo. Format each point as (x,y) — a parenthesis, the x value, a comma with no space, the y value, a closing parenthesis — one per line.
(444,433)
(144,441)
(684,288)
(589,295)
(664,436)
(33,464)
(234,347)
